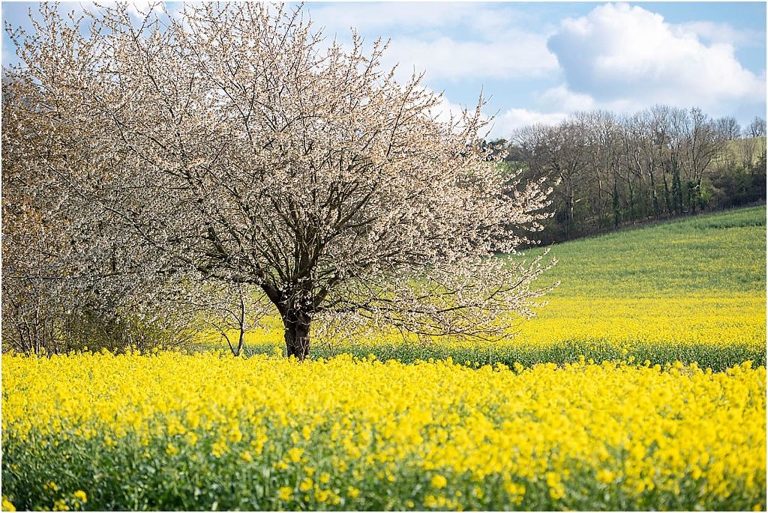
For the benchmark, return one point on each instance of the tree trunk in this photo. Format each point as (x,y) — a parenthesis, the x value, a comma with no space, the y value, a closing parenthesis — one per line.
(240,340)
(296,335)
(616,204)
(655,197)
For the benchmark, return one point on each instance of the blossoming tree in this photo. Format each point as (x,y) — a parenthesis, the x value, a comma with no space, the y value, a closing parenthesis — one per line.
(234,143)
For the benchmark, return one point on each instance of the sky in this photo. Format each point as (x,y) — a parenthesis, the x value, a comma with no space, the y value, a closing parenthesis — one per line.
(539,62)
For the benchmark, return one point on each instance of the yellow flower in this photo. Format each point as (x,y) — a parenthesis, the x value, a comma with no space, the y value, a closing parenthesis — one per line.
(285,493)
(515,491)
(8,505)
(246,456)
(605,476)
(81,496)
(556,489)
(322,495)
(60,505)
(696,472)
(306,485)
(294,454)
(438,481)
(352,492)
(235,435)
(218,449)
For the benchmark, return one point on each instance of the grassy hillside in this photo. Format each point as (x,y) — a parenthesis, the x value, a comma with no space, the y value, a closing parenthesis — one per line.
(690,289)
(720,253)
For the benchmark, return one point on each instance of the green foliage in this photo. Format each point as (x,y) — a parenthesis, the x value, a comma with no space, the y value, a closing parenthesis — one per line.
(715,357)
(146,477)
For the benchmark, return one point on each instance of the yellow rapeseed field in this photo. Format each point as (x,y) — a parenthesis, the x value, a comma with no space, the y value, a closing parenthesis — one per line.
(738,319)
(169,431)
(692,319)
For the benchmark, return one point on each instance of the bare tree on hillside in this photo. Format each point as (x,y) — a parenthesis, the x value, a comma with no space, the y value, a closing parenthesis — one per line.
(728,128)
(703,143)
(756,128)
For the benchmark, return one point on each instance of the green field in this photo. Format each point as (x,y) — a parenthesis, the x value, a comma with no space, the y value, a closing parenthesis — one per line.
(714,254)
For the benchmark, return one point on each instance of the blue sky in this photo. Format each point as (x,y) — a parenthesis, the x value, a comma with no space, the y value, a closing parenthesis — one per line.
(538,62)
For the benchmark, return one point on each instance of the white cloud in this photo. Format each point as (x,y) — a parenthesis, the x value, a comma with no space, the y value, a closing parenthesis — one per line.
(627,57)
(561,97)
(502,125)
(446,58)
(447,40)
(509,121)
(712,32)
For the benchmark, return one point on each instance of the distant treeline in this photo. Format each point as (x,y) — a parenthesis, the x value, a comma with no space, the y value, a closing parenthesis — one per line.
(609,170)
